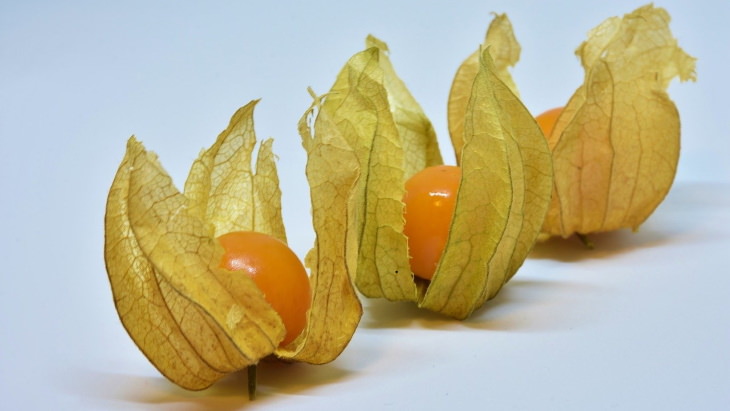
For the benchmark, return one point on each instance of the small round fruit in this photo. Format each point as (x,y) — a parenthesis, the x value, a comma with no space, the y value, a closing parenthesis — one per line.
(277,272)
(429,208)
(547,120)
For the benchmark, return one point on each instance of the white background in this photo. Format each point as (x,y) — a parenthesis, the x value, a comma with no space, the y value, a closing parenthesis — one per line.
(642,322)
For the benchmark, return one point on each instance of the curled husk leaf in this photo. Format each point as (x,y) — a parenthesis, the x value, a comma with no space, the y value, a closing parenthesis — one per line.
(501,203)
(193,320)
(616,143)
(505,52)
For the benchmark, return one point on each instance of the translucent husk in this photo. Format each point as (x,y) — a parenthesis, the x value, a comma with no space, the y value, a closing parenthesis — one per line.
(505,52)
(616,143)
(501,203)
(193,320)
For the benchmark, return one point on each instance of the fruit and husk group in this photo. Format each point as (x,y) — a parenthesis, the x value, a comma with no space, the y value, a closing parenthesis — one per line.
(608,162)
(195,321)
(615,145)
(503,194)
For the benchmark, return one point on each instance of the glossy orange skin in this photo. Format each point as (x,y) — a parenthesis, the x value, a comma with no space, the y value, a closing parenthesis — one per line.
(547,120)
(429,208)
(277,272)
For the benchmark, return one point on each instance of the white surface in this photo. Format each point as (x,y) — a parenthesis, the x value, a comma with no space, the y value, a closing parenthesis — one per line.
(641,323)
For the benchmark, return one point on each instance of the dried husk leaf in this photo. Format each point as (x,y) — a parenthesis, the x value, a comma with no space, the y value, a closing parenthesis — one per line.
(505,52)
(417,136)
(502,199)
(170,295)
(490,233)
(195,321)
(223,190)
(336,309)
(139,300)
(357,106)
(616,144)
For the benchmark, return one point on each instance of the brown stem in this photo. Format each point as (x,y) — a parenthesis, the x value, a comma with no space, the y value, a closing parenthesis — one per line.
(251,382)
(585,240)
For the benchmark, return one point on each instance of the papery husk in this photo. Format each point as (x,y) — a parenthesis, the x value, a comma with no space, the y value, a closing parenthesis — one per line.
(616,143)
(357,110)
(194,321)
(502,200)
(336,308)
(417,136)
(505,52)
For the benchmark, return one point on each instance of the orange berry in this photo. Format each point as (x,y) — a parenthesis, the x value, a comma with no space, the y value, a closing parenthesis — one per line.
(547,120)
(429,208)
(277,272)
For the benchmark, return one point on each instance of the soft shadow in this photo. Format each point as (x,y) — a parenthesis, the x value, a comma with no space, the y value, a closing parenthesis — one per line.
(275,378)
(527,306)
(605,245)
(381,313)
(147,391)
(686,214)
(520,306)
